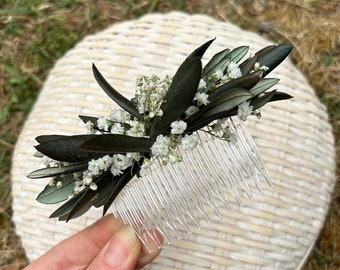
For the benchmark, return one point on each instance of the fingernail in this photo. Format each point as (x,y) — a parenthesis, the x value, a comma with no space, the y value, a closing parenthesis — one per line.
(120,246)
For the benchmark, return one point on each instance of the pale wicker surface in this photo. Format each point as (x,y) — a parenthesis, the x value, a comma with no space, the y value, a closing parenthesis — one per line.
(275,230)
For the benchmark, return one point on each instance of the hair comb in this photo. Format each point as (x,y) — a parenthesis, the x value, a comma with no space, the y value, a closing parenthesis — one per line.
(175,153)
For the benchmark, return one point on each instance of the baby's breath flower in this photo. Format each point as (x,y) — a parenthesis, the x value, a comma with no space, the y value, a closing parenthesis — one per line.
(233,70)
(119,115)
(218,74)
(160,148)
(244,110)
(258,67)
(90,127)
(146,163)
(201,98)
(103,123)
(191,110)
(150,92)
(178,127)
(137,129)
(202,84)
(189,142)
(93,186)
(117,128)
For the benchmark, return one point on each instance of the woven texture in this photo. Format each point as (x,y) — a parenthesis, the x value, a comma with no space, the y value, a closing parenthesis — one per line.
(275,230)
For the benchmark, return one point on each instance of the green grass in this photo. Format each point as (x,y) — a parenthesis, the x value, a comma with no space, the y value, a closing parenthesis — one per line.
(34,34)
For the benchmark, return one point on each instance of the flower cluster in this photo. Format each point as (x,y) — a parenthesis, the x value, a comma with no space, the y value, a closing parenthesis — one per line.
(162,119)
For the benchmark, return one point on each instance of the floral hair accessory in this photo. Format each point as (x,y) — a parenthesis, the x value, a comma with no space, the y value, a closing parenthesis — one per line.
(163,124)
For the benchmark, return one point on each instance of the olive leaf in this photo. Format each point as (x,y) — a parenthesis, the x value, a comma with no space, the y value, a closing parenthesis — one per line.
(66,148)
(234,55)
(272,56)
(246,81)
(116,143)
(54,171)
(119,184)
(217,108)
(212,65)
(263,85)
(54,194)
(248,65)
(181,91)
(123,102)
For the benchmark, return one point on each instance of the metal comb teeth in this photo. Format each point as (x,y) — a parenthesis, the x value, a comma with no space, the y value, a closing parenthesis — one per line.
(174,197)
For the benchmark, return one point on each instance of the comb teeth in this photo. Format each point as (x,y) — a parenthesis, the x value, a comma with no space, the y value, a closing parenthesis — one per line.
(172,198)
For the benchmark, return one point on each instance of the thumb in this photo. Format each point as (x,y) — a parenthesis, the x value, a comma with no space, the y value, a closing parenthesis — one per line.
(121,252)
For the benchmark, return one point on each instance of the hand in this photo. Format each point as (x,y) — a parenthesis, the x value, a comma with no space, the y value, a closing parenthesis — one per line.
(107,245)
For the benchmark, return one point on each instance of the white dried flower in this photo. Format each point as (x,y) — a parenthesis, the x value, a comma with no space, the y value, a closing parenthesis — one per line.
(178,127)
(244,110)
(202,98)
(189,142)
(160,148)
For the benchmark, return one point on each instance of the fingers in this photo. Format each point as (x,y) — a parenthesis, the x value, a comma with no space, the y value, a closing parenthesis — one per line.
(154,240)
(121,252)
(80,249)
(125,251)
(107,244)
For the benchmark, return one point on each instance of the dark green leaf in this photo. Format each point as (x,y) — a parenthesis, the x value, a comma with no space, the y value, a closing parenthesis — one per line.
(248,65)
(116,143)
(54,171)
(263,85)
(271,57)
(215,109)
(48,138)
(122,180)
(181,92)
(86,119)
(66,208)
(66,148)
(246,82)
(280,96)
(53,194)
(123,102)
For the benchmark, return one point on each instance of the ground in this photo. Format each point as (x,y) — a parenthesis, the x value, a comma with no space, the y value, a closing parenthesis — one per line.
(35,33)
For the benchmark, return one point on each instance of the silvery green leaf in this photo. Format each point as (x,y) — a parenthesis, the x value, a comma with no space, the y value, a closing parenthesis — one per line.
(52,194)
(66,148)
(233,56)
(66,208)
(54,171)
(181,91)
(263,85)
(214,61)
(123,102)
(263,100)
(116,143)
(237,54)
(38,154)
(246,81)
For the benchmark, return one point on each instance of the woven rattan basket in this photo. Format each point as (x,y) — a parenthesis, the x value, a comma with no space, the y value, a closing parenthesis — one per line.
(275,230)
